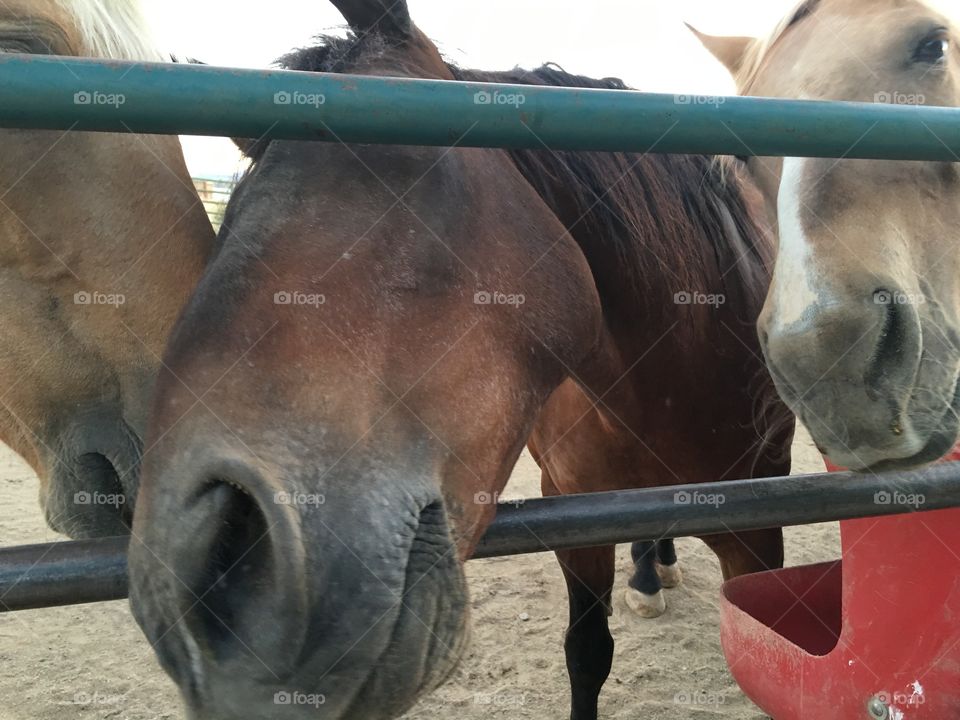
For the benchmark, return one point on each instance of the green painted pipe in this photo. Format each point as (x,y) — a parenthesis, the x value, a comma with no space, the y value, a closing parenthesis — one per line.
(69,93)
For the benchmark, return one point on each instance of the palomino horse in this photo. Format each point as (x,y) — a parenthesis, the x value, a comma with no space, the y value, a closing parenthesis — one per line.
(102,238)
(860,329)
(378,337)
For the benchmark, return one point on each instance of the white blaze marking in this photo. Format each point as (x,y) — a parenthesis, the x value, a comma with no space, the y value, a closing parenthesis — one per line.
(794,286)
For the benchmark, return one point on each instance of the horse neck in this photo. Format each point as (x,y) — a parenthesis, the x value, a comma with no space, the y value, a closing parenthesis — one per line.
(655,227)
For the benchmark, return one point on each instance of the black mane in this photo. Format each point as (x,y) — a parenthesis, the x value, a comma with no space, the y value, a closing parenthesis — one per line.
(677,222)
(335,54)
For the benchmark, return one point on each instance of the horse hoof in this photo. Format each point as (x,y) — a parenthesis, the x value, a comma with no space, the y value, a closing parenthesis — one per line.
(670,575)
(646,606)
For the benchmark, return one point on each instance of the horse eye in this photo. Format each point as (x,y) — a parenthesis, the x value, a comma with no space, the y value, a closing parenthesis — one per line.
(932,50)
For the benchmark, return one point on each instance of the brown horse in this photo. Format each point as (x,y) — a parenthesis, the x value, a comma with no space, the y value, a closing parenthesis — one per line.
(102,238)
(861,329)
(375,341)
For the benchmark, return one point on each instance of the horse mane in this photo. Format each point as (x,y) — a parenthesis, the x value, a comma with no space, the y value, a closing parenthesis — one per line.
(675,223)
(757,51)
(335,54)
(107,29)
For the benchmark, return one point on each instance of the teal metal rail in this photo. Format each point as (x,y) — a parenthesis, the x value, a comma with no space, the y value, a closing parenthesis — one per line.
(67,93)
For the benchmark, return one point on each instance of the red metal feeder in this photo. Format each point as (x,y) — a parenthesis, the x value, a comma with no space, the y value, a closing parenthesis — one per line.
(874,635)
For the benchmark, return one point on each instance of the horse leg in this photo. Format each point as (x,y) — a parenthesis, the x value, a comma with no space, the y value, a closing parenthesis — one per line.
(588,645)
(644,595)
(667,567)
(747,552)
(589,573)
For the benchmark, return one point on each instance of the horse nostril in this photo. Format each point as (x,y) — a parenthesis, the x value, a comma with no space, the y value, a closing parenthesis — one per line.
(892,346)
(237,550)
(100,473)
(238,559)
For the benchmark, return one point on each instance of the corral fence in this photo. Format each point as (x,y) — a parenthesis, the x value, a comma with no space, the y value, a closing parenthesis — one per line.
(72,94)
(214,194)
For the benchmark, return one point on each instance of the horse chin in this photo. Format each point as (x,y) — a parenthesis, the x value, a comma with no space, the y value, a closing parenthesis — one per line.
(340,609)
(85,497)
(938,444)
(89,490)
(918,447)
(418,651)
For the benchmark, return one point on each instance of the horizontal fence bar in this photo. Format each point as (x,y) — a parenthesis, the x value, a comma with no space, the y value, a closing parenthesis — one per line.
(596,519)
(64,573)
(75,94)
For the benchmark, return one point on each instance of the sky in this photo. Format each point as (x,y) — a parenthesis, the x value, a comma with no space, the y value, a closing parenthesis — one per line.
(642,41)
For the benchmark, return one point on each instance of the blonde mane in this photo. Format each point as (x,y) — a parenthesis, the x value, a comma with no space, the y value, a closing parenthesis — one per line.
(113,29)
(108,29)
(757,51)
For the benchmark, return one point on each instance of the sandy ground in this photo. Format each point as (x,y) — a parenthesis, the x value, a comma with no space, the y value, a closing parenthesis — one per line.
(92,662)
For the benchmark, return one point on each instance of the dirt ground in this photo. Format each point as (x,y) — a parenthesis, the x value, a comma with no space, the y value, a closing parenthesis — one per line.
(92,662)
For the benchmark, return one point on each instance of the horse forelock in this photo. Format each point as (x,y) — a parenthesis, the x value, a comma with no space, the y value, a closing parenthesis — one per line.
(333,53)
(757,52)
(108,29)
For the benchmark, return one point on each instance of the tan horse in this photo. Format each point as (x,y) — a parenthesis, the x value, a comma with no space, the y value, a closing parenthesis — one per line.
(860,328)
(102,238)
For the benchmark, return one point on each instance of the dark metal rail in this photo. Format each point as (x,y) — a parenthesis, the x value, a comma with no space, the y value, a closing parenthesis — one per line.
(65,573)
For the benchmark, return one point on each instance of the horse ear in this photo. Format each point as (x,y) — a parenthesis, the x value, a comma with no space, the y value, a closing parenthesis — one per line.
(731,51)
(387,17)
